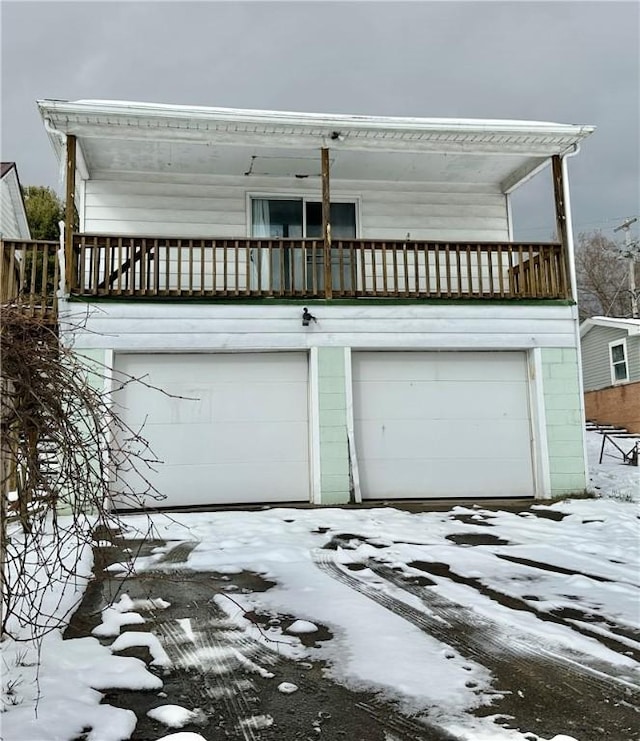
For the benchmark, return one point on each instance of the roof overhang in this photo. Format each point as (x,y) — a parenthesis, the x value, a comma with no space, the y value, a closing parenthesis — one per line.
(146,137)
(631,326)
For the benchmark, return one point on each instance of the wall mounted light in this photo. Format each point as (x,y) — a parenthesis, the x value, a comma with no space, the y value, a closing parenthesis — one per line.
(307,318)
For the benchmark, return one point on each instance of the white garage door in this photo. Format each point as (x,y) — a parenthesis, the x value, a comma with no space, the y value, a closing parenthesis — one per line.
(442,424)
(239,434)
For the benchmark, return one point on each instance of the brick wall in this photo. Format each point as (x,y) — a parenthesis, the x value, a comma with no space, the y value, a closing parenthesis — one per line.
(617,405)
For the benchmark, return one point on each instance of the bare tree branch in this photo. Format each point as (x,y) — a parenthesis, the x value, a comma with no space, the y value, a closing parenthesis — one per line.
(63,449)
(602,277)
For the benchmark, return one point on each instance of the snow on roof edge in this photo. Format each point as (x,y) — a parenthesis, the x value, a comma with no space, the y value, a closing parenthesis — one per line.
(405,122)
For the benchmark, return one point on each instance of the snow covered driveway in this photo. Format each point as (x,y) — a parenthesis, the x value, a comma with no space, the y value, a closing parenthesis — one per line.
(468,624)
(358,624)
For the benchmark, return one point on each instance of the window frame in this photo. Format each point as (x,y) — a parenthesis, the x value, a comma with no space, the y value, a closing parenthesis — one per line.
(612,365)
(304,197)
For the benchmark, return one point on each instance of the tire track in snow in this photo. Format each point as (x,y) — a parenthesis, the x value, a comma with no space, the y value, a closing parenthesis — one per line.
(212,650)
(554,569)
(219,651)
(454,612)
(540,676)
(409,730)
(201,647)
(607,636)
(434,621)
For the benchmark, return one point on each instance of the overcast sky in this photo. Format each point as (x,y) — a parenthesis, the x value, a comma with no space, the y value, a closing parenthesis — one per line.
(570,62)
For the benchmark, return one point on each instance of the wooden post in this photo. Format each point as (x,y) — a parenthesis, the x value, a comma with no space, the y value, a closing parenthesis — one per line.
(69,211)
(326,223)
(561,218)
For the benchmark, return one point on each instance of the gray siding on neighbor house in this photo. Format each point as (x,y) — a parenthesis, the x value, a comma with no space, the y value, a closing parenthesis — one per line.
(596,367)
(633,350)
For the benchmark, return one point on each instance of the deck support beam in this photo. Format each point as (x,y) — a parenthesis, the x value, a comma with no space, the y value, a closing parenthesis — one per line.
(69,213)
(561,216)
(326,222)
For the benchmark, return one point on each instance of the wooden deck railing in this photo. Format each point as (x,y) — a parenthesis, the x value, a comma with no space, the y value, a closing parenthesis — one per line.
(139,267)
(29,277)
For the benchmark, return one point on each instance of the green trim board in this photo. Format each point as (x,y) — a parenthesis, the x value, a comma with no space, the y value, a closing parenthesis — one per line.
(94,361)
(564,421)
(332,413)
(298,301)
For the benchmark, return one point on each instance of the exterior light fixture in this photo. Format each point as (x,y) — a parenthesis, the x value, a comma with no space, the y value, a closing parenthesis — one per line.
(307,318)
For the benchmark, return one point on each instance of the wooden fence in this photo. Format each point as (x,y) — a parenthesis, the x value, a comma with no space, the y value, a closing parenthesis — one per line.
(29,277)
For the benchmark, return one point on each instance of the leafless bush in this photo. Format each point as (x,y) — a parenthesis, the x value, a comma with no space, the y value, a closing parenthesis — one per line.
(62,446)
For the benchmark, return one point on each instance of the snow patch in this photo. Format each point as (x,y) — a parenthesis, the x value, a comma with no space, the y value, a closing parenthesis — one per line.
(113,620)
(301,627)
(132,639)
(173,716)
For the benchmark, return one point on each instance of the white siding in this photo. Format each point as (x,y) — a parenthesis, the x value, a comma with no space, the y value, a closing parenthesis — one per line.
(146,326)
(13,219)
(201,206)
(9,228)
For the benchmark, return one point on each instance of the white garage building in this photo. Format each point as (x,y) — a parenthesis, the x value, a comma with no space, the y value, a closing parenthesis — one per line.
(440,358)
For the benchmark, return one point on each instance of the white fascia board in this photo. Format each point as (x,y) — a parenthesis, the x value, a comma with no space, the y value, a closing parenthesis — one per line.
(496,145)
(196,123)
(631,326)
(237,115)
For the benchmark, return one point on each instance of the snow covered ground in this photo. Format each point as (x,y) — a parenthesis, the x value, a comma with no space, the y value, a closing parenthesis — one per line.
(570,568)
(610,480)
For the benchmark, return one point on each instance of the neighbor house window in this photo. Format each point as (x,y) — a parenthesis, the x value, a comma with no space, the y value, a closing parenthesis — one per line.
(291,267)
(618,358)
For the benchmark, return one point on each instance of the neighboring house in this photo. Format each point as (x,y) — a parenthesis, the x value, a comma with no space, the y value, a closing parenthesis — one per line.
(13,217)
(611,370)
(441,357)
(13,225)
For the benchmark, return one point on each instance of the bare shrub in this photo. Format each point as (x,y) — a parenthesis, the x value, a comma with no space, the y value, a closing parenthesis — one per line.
(62,445)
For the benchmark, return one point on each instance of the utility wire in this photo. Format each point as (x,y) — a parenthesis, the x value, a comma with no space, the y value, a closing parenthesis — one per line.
(577,226)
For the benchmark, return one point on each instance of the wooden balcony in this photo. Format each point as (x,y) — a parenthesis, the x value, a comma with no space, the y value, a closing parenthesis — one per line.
(155,267)
(139,268)
(29,278)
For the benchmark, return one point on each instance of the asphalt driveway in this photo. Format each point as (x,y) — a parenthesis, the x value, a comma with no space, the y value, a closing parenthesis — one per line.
(246,669)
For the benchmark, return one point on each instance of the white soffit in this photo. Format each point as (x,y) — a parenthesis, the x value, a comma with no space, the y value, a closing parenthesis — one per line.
(117,136)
